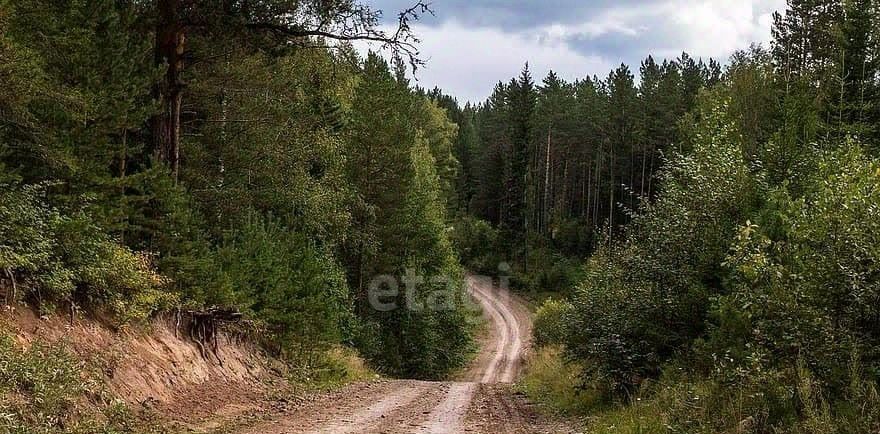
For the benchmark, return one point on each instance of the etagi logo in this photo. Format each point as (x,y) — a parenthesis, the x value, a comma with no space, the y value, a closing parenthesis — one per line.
(417,293)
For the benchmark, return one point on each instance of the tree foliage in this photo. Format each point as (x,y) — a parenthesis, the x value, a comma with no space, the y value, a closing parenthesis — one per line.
(747,279)
(169,154)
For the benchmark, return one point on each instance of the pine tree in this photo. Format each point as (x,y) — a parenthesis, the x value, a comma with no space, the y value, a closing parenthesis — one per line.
(398,142)
(90,52)
(555,160)
(493,135)
(273,26)
(518,175)
(623,136)
(754,98)
(694,75)
(807,56)
(804,39)
(591,111)
(857,71)
(656,121)
(270,139)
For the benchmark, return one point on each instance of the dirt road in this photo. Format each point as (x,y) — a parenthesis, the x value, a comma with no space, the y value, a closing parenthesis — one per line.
(502,347)
(480,401)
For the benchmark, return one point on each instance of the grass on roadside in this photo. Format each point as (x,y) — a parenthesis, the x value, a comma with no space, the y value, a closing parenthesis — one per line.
(332,369)
(552,382)
(770,401)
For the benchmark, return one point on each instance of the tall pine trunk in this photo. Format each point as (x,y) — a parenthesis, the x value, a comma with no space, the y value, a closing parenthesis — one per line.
(600,156)
(546,213)
(169,50)
(589,200)
(611,198)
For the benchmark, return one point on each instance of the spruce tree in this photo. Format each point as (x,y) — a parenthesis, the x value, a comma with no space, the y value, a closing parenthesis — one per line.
(857,68)
(623,135)
(522,98)
(493,136)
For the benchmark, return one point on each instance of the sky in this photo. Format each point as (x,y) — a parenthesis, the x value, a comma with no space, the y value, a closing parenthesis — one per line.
(470,45)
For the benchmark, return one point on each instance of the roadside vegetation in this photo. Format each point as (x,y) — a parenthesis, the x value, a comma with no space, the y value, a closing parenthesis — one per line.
(704,241)
(299,174)
(46,389)
(230,164)
(742,296)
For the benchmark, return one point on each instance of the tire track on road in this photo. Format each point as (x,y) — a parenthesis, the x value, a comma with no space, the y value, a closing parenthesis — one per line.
(503,367)
(446,417)
(417,407)
(490,373)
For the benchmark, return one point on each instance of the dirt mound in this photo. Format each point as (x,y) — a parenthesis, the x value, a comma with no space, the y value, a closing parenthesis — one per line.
(158,367)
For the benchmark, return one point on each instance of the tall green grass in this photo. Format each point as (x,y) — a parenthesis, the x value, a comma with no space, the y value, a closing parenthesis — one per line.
(790,401)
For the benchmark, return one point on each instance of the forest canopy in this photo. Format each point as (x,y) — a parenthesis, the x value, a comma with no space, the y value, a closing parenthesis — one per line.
(708,228)
(166,155)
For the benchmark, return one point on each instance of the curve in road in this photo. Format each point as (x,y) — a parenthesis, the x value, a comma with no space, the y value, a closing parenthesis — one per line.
(481,402)
(510,320)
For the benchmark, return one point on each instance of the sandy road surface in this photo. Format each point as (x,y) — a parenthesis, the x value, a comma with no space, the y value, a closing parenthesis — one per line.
(481,401)
(507,337)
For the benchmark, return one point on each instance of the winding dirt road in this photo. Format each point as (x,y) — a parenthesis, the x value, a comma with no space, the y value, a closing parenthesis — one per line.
(481,400)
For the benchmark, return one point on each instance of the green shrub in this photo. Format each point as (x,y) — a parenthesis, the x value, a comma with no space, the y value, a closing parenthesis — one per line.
(26,228)
(45,389)
(644,298)
(40,386)
(288,282)
(426,342)
(330,369)
(477,244)
(766,325)
(57,258)
(106,273)
(549,323)
(552,381)
(616,325)
(573,237)
(806,275)
(784,400)
(547,269)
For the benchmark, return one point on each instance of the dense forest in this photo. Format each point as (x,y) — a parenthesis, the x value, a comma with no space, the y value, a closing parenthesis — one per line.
(730,219)
(248,166)
(556,166)
(710,229)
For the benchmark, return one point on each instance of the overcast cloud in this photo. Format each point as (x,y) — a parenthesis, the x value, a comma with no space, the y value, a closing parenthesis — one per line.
(472,44)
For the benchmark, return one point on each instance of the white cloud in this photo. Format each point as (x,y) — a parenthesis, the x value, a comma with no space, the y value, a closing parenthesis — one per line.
(716,28)
(709,28)
(625,21)
(467,60)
